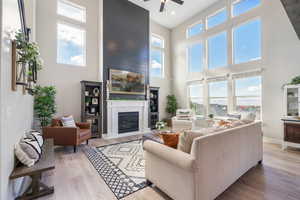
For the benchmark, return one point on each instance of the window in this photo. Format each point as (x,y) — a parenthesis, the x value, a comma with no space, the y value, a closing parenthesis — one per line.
(218,98)
(243,6)
(157,42)
(217,51)
(196,98)
(248,95)
(70,45)
(217,19)
(196,58)
(71,36)
(157,57)
(71,10)
(195,30)
(247,42)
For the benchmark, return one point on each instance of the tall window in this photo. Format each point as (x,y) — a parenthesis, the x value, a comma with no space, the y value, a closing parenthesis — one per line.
(247,42)
(217,19)
(71,35)
(248,95)
(242,6)
(195,29)
(157,56)
(218,100)
(196,98)
(196,57)
(217,51)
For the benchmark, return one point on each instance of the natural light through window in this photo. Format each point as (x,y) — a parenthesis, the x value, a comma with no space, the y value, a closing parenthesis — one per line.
(218,101)
(71,10)
(243,6)
(195,30)
(196,58)
(217,51)
(248,95)
(196,98)
(217,19)
(247,42)
(157,56)
(70,45)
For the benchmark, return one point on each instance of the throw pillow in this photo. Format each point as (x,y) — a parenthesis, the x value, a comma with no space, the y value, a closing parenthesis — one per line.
(170,140)
(68,121)
(186,140)
(36,136)
(28,151)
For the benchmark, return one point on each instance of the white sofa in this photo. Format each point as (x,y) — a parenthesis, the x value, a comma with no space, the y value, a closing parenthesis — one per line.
(183,120)
(216,161)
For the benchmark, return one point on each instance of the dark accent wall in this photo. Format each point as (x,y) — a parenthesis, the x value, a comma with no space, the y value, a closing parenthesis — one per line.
(292,8)
(125,43)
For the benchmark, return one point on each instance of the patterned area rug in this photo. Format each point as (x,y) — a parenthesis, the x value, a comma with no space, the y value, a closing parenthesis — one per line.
(122,166)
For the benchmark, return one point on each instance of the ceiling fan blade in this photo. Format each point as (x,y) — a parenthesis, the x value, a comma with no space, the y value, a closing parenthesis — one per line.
(162,6)
(178,1)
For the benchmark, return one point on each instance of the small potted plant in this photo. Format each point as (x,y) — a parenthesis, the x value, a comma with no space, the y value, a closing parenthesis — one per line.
(160,125)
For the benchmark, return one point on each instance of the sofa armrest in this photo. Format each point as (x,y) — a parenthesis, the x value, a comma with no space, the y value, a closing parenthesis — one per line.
(173,156)
(83,125)
(61,135)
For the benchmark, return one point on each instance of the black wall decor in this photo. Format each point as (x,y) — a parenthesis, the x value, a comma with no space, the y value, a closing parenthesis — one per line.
(125,44)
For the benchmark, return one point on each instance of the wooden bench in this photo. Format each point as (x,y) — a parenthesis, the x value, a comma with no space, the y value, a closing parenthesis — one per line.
(46,163)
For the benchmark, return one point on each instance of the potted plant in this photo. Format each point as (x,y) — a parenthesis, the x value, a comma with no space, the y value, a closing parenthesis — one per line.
(171,108)
(44,104)
(160,125)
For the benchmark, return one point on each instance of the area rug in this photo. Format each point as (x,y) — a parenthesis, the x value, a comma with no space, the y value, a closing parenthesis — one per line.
(122,166)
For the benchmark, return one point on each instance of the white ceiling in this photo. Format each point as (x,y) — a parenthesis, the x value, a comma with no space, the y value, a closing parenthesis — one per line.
(174,14)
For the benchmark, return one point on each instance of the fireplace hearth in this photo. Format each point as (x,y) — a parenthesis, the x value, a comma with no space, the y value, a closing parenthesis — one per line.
(128,122)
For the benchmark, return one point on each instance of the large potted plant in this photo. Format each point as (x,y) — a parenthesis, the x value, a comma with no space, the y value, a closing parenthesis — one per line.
(44,104)
(171,108)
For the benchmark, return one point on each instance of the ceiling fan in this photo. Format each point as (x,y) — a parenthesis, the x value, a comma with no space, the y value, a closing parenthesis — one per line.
(163,3)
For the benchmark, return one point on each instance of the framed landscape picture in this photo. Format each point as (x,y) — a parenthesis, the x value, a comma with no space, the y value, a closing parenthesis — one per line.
(124,82)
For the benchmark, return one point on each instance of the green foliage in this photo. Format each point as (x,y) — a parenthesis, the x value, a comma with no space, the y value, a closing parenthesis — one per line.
(171,105)
(296,80)
(44,103)
(28,51)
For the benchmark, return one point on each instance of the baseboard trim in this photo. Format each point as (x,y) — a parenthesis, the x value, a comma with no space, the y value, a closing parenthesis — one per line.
(272,140)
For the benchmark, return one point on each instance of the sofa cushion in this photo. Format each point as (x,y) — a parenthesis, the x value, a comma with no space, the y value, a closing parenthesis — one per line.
(171,140)
(68,121)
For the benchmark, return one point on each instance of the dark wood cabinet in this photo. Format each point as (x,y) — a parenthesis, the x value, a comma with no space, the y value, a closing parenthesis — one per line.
(154,106)
(292,132)
(91,106)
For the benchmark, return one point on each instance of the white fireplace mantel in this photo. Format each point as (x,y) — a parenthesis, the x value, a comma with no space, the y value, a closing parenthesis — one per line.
(114,107)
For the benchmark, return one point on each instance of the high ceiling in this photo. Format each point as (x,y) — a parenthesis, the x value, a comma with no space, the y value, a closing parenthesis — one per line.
(174,14)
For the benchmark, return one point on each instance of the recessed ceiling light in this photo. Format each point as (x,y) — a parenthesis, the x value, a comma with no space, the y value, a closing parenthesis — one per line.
(173,13)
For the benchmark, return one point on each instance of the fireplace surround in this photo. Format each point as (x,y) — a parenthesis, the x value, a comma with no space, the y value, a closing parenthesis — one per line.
(117,108)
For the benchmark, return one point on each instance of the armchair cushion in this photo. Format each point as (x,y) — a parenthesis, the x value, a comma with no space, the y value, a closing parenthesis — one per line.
(83,125)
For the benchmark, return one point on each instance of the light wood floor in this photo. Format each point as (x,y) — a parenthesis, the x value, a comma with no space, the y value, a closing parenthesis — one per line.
(277,179)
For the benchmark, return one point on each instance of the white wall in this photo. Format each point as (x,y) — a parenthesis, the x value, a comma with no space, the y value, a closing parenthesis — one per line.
(165,84)
(67,78)
(16,108)
(280,62)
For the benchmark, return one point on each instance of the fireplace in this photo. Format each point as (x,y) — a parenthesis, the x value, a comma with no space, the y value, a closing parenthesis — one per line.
(128,122)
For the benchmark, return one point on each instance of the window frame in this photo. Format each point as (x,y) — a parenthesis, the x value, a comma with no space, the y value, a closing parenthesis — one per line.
(235,97)
(161,50)
(203,56)
(192,25)
(214,14)
(84,39)
(210,97)
(201,96)
(237,1)
(75,6)
(233,41)
(207,50)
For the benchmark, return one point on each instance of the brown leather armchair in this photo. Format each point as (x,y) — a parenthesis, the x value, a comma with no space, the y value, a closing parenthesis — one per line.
(68,136)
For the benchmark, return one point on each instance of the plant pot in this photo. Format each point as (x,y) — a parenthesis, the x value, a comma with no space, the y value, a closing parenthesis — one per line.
(169,122)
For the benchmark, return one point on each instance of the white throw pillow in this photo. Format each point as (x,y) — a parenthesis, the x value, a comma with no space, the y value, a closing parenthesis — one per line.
(37,136)
(68,121)
(28,151)
(248,117)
